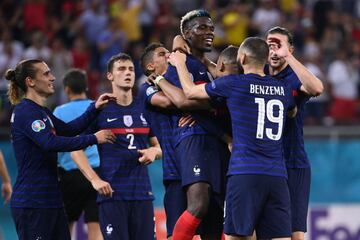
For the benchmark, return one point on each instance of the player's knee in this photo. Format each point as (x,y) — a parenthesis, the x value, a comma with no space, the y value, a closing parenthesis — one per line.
(199,208)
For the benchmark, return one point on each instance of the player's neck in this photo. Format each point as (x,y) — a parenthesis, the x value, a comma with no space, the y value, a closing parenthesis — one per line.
(198,54)
(39,99)
(275,71)
(123,97)
(73,97)
(254,70)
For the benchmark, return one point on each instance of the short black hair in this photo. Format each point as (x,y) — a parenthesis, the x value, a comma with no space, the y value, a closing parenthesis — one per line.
(282,31)
(188,17)
(120,56)
(147,56)
(76,80)
(256,49)
(230,54)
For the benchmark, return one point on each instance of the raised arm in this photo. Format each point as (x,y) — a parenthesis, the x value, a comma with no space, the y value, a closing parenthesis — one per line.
(310,83)
(178,97)
(191,90)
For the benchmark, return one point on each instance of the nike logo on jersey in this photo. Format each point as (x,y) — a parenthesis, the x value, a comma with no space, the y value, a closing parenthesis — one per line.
(111,119)
(202,73)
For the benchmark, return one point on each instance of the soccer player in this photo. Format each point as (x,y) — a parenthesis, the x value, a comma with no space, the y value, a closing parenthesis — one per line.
(128,213)
(78,194)
(257,196)
(198,149)
(284,66)
(6,189)
(37,136)
(157,104)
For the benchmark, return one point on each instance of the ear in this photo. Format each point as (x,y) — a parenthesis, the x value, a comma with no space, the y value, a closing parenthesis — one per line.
(291,49)
(187,34)
(222,67)
(67,90)
(109,76)
(150,67)
(29,82)
(242,59)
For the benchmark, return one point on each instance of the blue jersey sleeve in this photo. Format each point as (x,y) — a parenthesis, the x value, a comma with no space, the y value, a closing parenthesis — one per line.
(42,132)
(172,76)
(76,126)
(146,92)
(220,87)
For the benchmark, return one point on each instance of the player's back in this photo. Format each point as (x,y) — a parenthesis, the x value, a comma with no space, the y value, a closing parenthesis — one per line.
(258,108)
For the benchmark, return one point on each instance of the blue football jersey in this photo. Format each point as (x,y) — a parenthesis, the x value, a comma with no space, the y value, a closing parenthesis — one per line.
(294,149)
(37,135)
(258,107)
(205,122)
(119,164)
(160,124)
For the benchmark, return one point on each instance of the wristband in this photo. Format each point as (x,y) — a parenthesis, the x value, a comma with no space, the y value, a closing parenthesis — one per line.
(158,79)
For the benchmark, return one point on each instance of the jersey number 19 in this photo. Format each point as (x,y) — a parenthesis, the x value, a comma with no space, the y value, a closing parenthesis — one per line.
(267,110)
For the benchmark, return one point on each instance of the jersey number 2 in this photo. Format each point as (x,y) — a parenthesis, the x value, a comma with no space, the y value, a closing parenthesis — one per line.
(268,110)
(131,138)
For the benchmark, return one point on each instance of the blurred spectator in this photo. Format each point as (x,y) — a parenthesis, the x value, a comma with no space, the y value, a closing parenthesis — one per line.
(236,22)
(34,15)
(60,62)
(128,14)
(266,16)
(344,78)
(147,18)
(315,110)
(38,48)
(10,15)
(10,54)
(80,54)
(92,22)
(111,41)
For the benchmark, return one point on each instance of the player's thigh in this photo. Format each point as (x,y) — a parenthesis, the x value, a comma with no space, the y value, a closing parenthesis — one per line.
(113,220)
(245,198)
(199,161)
(275,219)
(142,221)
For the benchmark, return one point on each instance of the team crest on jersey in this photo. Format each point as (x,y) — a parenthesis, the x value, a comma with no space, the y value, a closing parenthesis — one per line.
(143,120)
(128,121)
(38,125)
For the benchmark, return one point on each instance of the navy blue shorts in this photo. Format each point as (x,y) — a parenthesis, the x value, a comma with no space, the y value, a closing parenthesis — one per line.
(127,220)
(257,202)
(174,203)
(37,223)
(200,158)
(299,187)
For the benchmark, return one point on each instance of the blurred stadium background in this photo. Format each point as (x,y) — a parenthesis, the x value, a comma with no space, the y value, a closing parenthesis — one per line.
(85,33)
